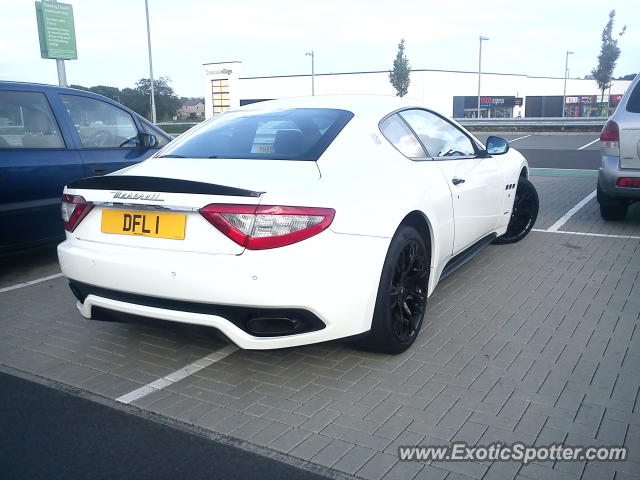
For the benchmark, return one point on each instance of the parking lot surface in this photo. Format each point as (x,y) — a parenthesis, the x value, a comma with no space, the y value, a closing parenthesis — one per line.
(56,434)
(555,150)
(587,141)
(537,342)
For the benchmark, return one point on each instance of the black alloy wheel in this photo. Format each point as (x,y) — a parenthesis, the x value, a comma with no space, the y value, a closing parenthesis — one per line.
(408,292)
(402,294)
(524,214)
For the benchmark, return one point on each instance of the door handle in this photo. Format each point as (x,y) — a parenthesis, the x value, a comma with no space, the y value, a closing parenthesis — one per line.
(457,181)
(98,169)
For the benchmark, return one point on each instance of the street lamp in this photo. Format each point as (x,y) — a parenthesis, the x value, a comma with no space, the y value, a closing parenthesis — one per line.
(153,99)
(480,69)
(566,74)
(313,73)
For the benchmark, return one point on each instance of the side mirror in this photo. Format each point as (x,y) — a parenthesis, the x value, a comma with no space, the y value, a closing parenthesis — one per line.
(147,140)
(497,146)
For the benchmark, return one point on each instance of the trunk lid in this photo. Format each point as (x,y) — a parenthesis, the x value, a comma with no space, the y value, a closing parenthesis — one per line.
(162,197)
(239,173)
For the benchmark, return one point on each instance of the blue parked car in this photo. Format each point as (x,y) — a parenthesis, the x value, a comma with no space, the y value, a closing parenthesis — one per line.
(50,136)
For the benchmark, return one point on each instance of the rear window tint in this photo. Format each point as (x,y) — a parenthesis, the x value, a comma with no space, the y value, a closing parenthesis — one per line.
(291,134)
(633,104)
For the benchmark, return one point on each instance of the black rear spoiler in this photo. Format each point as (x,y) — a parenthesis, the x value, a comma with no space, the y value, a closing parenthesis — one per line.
(158,184)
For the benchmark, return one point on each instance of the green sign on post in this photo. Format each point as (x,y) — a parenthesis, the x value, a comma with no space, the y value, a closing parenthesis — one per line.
(56,31)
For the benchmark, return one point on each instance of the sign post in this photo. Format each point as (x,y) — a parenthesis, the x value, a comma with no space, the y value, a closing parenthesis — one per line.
(57,34)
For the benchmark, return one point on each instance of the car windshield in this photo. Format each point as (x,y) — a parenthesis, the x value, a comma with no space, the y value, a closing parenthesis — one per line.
(289,134)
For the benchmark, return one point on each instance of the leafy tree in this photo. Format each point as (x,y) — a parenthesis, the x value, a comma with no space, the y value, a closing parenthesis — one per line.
(630,76)
(79,87)
(400,75)
(109,92)
(137,99)
(165,98)
(609,53)
(192,99)
(160,86)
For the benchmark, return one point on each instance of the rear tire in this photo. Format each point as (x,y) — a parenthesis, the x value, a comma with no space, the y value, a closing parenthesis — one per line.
(613,213)
(524,213)
(402,294)
(611,208)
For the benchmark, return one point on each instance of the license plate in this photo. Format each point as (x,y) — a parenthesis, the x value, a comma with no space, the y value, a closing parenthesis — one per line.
(144,224)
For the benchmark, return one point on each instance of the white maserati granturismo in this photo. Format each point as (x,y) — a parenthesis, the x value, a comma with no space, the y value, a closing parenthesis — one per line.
(295,221)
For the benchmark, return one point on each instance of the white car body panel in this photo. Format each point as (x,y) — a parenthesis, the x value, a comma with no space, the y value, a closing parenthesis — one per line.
(477,203)
(317,282)
(335,274)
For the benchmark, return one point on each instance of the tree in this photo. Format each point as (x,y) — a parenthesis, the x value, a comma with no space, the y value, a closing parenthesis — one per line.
(400,75)
(137,99)
(165,98)
(630,76)
(80,87)
(110,92)
(609,53)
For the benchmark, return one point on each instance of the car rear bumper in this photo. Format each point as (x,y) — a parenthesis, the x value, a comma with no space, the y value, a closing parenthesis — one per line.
(332,277)
(609,174)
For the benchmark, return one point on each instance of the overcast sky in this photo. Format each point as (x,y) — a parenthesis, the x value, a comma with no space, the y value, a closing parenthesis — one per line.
(271,37)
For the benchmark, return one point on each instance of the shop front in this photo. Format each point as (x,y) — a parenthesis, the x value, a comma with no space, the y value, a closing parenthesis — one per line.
(579,106)
(490,107)
(591,105)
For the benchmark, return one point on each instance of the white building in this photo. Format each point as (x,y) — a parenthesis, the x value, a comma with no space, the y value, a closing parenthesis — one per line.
(452,93)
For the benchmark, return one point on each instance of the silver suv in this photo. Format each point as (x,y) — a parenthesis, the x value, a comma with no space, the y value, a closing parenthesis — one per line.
(619,175)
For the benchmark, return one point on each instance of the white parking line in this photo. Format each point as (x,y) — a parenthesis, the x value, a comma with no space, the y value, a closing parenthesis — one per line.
(589,144)
(519,138)
(177,375)
(586,234)
(31,282)
(565,218)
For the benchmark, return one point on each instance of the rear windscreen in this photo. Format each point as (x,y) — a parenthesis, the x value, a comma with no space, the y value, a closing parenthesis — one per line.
(290,134)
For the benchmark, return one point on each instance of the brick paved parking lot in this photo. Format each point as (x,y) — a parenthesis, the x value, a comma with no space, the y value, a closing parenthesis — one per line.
(537,342)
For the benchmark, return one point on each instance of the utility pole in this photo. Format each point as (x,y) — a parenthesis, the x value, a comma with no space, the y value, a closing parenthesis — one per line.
(566,74)
(152,92)
(313,73)
(480,70)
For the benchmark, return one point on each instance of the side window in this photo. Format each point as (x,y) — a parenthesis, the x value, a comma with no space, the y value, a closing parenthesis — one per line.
(633,104)
(100,124)
(162,140)
(26,121)
(401,137)
(440,138)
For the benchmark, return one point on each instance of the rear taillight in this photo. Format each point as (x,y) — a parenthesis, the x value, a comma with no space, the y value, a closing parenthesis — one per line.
(629,182)
(74,209)
(261,227)
(610,135)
